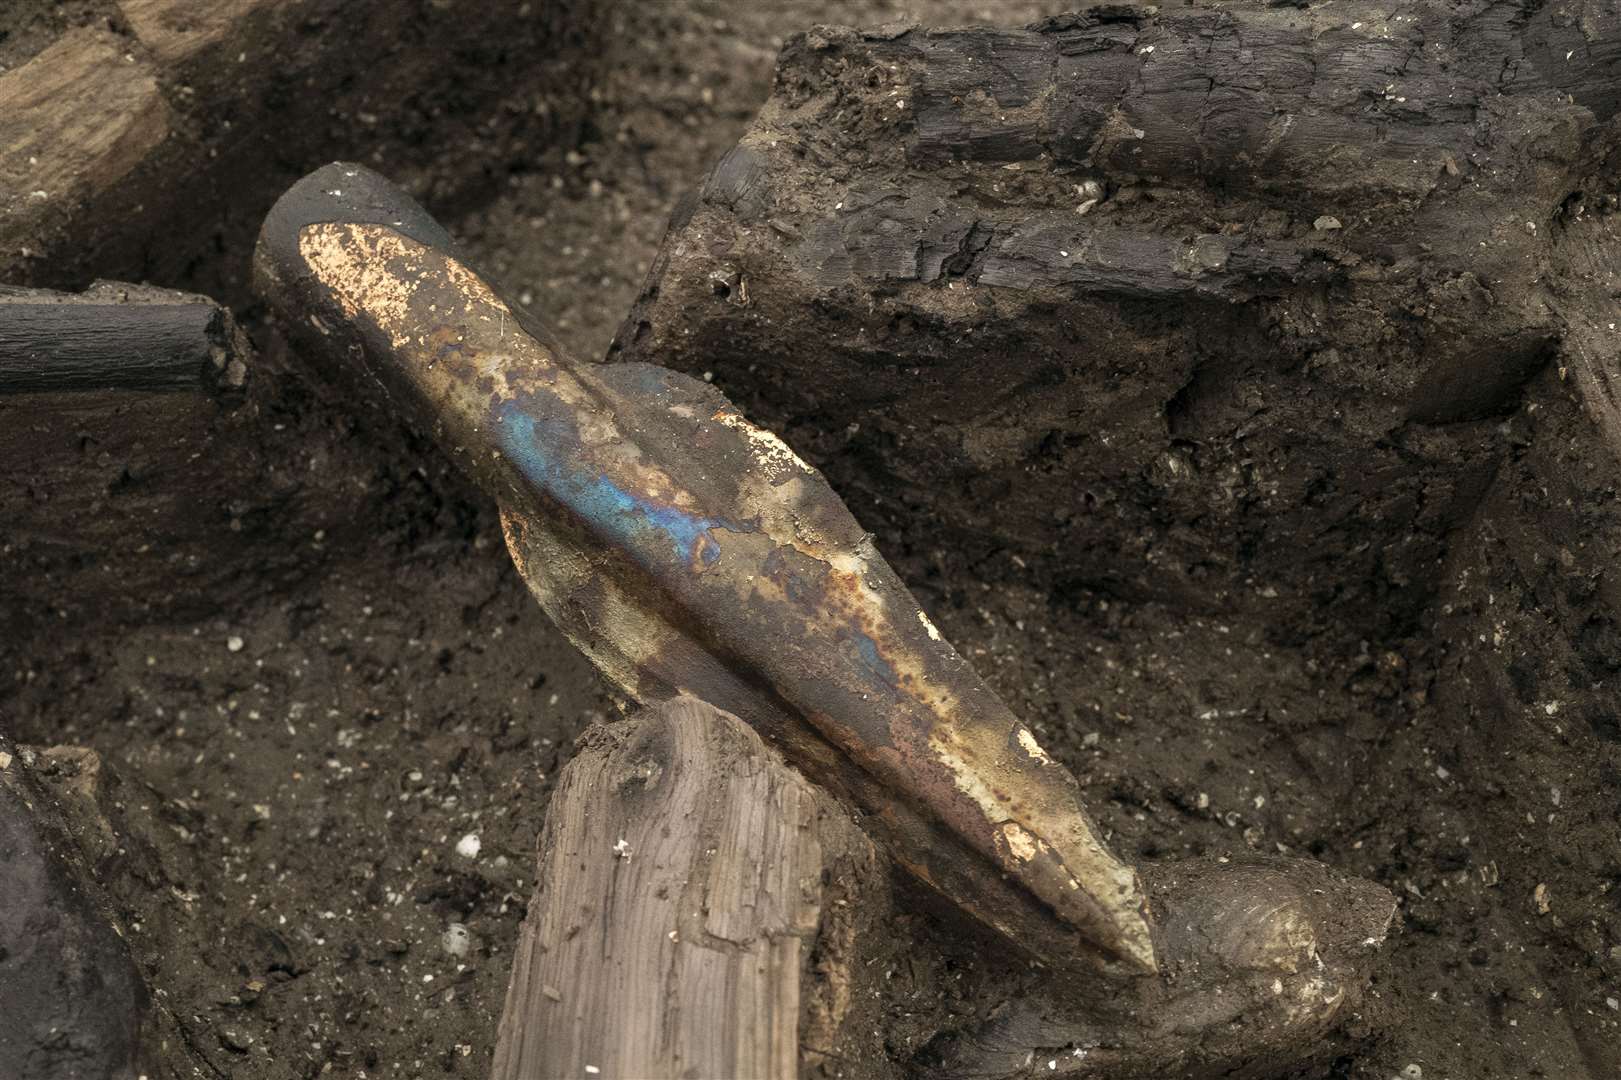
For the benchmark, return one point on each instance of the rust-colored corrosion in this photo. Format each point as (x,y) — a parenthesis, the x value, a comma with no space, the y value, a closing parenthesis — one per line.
(685,550)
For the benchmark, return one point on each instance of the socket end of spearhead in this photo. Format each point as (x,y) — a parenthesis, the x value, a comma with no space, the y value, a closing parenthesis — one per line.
(340,193)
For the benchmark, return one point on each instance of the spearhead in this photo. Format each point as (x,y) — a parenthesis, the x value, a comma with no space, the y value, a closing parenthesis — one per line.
(686,551)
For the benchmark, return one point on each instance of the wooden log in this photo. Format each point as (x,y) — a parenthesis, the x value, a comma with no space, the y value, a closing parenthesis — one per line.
(684,876)
(117,337)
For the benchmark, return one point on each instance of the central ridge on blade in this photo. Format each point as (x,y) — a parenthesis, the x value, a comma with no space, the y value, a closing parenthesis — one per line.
(686,551)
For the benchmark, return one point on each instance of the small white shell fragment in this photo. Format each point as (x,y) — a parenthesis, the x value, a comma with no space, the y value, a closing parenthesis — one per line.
(234,643)
(468,846)
(456,939)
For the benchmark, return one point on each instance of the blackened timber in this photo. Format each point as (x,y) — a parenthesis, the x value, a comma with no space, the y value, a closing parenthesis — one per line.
(116,337)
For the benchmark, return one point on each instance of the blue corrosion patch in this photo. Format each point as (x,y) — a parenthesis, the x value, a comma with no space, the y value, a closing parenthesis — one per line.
(628,519)
(873,660)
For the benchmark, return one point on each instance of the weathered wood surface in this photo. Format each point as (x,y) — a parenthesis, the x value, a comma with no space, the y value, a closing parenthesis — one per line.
(177,30)
(684,876)
(117,337)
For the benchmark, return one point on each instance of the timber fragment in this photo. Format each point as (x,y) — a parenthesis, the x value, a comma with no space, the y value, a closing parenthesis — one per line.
(75,122)
(685,879)
(1098,250)
(117,337)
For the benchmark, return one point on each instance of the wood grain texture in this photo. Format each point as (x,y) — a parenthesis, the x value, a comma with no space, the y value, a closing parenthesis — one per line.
(116,337)
(680,890)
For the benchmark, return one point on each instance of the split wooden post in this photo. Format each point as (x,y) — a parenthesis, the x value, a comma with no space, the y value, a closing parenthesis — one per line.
(685,874)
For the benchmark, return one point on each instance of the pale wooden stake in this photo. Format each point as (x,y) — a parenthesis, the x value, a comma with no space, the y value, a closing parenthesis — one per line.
(680,889)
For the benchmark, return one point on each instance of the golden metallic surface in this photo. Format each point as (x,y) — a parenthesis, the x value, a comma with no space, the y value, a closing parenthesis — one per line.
(685,550)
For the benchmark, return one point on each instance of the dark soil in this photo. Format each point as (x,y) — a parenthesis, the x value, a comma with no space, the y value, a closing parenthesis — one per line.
(28,27)
(302,765)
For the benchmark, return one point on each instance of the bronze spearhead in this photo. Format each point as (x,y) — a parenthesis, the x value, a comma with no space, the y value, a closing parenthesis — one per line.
(685,550)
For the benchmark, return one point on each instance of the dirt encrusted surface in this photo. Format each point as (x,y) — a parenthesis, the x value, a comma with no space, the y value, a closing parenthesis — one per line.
(327,756)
